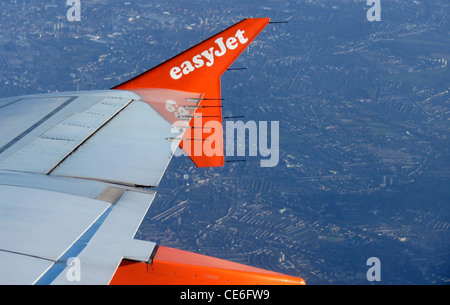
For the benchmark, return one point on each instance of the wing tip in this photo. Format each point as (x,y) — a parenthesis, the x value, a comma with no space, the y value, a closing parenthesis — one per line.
(199,69)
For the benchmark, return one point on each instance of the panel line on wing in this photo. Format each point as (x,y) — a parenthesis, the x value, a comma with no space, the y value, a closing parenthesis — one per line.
(37,124)
(87,138)
(28,255)
(12,102)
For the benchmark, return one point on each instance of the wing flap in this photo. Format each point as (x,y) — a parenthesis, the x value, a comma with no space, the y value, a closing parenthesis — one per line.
(112,242)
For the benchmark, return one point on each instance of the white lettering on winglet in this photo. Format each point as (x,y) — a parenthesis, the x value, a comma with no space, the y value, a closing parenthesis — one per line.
(209,56)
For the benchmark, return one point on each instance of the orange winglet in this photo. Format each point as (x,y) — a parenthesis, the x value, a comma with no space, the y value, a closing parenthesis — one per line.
(199,69)
(176,267)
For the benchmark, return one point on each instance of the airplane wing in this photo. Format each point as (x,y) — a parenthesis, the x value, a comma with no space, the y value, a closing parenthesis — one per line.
(79,171)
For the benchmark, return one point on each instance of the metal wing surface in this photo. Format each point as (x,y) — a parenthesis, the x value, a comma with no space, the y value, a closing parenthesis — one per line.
(79,171)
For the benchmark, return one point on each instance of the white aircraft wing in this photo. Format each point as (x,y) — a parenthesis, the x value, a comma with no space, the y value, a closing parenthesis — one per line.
(79,170)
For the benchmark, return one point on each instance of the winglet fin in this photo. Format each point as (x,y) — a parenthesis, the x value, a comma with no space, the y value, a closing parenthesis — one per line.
(199,69)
